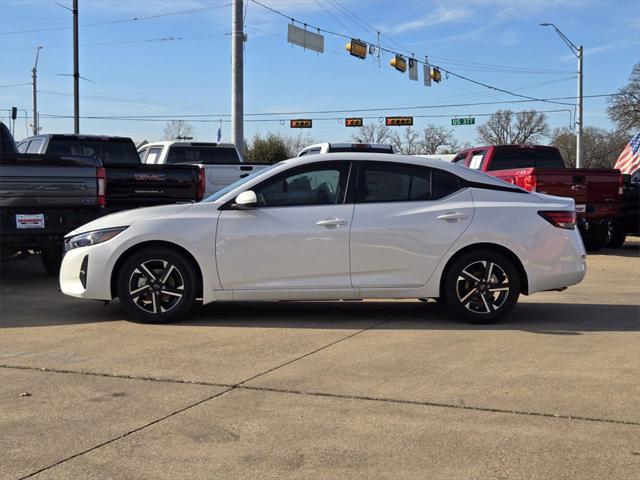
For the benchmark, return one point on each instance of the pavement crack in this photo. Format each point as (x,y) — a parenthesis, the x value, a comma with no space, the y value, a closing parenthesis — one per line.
(126,434)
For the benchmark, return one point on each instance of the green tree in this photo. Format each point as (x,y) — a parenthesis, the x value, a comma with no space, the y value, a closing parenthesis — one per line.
(270,149)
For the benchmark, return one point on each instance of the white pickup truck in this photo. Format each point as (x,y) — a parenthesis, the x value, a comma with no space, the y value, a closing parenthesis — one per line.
(220,161)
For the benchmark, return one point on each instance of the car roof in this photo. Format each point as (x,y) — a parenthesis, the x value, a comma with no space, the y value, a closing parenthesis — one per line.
(165,143)
(460,171)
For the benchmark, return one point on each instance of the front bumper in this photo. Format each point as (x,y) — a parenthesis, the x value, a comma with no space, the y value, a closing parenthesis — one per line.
(92,261)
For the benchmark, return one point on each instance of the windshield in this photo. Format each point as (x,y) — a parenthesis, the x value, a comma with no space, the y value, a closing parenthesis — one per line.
(220,193)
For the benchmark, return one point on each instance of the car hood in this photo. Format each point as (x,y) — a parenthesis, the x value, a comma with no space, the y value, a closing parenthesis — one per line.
(127,217)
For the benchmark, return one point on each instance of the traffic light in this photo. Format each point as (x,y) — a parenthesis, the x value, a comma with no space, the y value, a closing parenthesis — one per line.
(399,63)
(357,48)
(301,123)
(398,121)
(353,122)
(436,75)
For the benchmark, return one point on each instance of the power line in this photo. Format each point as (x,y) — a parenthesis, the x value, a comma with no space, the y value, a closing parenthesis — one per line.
(124,20)
(126,42)
(385,49)
(14,85)
(280,120)
(310,112)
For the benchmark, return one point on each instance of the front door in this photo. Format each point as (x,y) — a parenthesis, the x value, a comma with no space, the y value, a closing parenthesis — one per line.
(297,237)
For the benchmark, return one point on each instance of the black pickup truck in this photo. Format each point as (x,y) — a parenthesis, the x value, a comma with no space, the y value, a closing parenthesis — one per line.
(42,198)
(130,183)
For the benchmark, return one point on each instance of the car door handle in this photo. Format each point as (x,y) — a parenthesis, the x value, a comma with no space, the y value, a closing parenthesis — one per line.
(452,216)
(331,222)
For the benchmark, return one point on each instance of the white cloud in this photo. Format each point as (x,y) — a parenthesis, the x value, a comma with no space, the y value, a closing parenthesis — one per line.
(439,16)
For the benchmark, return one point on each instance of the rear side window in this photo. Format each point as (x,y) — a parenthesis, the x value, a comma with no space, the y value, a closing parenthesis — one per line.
(154,153)
(111,151)
(380,182)
(205,155)
(508,159)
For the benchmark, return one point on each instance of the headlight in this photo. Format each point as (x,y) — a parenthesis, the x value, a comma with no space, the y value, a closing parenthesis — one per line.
(92,238)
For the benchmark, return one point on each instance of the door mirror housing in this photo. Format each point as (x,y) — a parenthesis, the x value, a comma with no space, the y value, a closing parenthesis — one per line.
(247,200)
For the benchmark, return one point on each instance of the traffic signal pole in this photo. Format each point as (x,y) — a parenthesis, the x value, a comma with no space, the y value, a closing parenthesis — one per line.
(237,80)
(76,71)
(579,111)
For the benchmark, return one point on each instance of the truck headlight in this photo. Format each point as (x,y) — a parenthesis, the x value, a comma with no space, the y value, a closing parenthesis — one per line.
(92,238)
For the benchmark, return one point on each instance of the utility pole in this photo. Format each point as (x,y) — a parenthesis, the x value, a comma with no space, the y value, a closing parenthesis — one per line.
(34,77)
(579,53)
(76,72)
(237,80)
(579,112)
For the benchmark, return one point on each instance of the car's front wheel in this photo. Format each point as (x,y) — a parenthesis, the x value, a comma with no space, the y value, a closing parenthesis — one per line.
(481,286)
(157,285)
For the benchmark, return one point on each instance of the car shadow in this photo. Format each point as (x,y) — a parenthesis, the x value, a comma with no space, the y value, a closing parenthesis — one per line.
(25,303)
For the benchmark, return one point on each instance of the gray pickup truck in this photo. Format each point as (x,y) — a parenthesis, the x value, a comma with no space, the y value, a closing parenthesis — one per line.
(42,198)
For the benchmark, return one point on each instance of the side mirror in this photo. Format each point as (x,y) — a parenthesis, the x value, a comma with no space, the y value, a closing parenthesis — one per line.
(246,201)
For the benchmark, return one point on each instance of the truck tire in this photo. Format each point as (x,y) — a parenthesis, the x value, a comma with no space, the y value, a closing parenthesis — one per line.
(617,234)
(51,260)
(594,236)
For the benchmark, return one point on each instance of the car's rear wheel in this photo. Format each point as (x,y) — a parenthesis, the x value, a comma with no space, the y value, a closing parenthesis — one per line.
(482,286)
(617,234)
(51,260)
(157,285)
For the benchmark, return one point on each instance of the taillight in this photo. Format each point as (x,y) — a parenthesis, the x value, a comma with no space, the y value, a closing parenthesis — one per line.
(101,178)
(620,185)
(560,219)
(201,182)
(530,183)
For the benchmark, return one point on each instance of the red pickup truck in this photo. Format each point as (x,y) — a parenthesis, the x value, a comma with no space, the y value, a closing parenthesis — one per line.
(538,168)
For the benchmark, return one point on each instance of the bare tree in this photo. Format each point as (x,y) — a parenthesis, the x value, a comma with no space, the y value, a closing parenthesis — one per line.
(178,128)
(408,143)
(436,138)
(601,147)
(372,133)
(624,108)
(508,128)
(296,143)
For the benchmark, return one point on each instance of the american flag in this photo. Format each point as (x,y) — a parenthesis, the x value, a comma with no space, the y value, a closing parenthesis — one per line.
(629,160)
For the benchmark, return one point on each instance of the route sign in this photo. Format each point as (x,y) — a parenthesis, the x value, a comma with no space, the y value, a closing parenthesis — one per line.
(463,121)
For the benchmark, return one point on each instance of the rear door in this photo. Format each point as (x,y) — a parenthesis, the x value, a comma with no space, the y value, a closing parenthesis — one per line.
(406,217)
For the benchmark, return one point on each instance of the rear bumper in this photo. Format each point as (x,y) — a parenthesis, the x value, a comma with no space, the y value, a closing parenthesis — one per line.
(556,258)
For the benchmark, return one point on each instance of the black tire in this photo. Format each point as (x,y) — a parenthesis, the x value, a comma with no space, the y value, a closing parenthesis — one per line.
(157,285)
(594,236)
(481,271)
(617,234)
(51,261)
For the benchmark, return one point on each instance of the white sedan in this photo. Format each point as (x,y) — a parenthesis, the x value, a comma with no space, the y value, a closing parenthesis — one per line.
(330,227)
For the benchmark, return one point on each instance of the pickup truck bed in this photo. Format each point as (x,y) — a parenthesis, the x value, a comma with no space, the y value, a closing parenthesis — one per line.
(130,183)
(596,192)
(220,162)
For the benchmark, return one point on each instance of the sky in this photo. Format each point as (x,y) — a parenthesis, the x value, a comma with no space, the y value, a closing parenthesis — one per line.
(178,63)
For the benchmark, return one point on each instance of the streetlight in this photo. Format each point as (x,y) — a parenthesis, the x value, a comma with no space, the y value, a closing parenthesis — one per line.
(578,52)
(34,76)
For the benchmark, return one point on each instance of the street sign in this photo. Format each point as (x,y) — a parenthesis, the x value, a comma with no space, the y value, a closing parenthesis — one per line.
(463,121)
(353,122)
(301,123)
(398,121)
(305,39)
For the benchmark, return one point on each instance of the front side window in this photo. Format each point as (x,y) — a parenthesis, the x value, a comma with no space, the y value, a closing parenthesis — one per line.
(154,154)
(142,153)
(22,147)
(316,184)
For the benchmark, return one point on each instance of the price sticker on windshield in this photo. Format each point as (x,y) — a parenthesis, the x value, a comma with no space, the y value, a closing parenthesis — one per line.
(30,221)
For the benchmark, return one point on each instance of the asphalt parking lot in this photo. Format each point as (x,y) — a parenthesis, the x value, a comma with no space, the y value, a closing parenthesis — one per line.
(323,390)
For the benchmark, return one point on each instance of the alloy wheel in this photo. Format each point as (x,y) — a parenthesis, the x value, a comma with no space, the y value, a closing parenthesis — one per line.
(156,286)
(482,287)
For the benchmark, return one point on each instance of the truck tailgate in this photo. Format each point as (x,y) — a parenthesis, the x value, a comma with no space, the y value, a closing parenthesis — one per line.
(584,185)
(42,181)
(219,176)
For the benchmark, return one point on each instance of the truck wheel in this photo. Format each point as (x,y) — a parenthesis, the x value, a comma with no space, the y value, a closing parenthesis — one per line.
(482,286)
(617,234)
(157,285)
(594,236)
(51,261)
